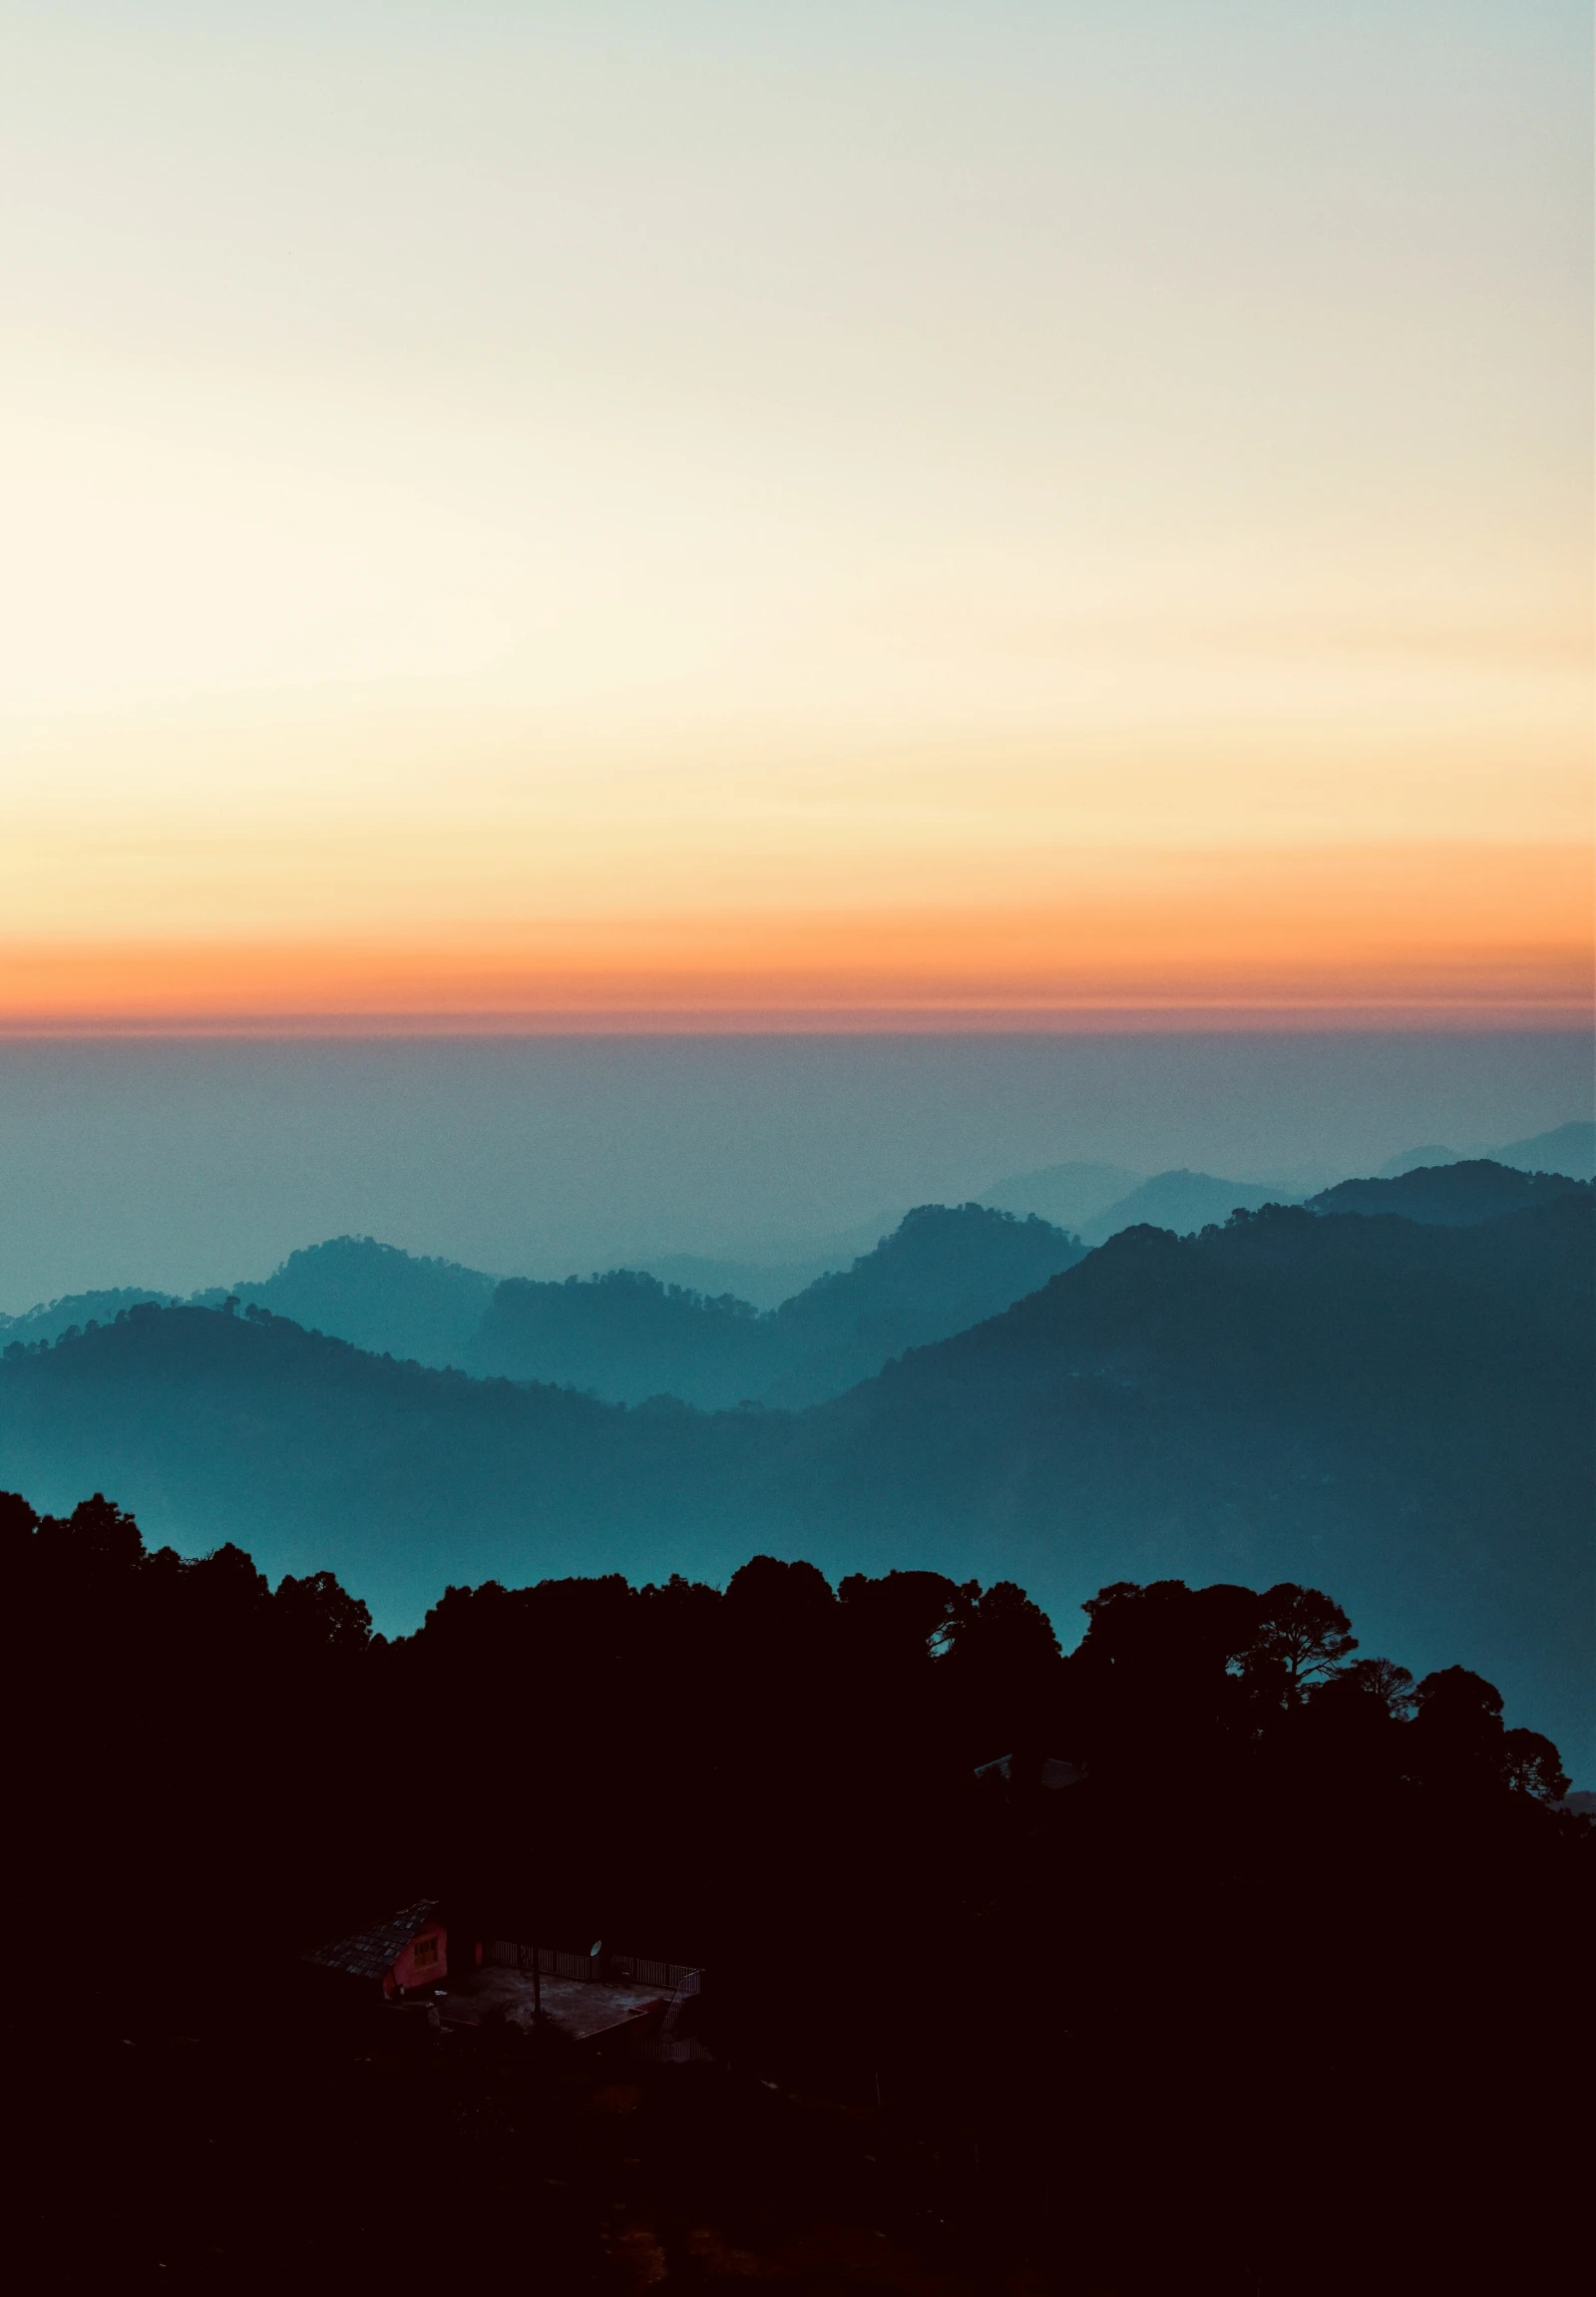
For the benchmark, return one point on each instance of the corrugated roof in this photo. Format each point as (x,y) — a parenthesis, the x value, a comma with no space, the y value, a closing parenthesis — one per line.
(372,1953)
(1055,1773)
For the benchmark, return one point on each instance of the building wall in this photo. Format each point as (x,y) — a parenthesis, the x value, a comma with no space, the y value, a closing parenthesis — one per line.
(417,1965)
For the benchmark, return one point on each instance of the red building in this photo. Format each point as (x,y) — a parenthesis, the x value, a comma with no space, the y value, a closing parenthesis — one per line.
(410,1949)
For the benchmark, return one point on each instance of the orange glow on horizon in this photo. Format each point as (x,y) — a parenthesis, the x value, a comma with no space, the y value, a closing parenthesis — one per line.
(1318,938)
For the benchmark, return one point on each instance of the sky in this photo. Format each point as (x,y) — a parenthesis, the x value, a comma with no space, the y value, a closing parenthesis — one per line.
(713,515)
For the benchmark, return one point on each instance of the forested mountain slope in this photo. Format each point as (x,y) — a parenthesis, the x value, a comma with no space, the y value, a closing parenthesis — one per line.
(1404,1410)
(315,1453)
(623,1336)
(941,1269)
(1456,1195)
(378,1297)
(1407,1408)
(51,1317)
(627,1337)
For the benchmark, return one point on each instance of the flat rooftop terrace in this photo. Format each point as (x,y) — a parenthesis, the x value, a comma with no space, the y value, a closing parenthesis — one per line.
(581,2008)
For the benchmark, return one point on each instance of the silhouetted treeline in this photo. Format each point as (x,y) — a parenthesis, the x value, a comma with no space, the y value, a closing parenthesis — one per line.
(1300,1947)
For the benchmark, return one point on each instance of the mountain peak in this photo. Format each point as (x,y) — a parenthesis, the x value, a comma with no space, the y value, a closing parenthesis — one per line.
(1457,1194)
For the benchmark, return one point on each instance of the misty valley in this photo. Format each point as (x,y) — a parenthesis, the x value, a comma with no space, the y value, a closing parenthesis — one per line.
(1388,1387)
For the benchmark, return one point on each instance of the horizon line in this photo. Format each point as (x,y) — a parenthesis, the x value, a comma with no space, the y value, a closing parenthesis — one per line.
(1309,1016)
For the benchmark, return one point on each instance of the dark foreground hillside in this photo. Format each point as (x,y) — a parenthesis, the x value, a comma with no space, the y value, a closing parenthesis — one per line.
(1404,1409)
(1254,1968)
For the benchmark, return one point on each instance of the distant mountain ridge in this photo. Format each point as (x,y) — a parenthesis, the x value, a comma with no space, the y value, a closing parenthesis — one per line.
(1102,1199)
(627,1337)
(378,1297)
(51,1317)
(623,1335)
(1456,1195)
(1182,1202)
(1568,1149)
(659,1329)
(1069,1195)
(1404,1408)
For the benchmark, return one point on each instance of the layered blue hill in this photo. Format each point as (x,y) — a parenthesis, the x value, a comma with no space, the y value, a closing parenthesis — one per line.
(1400,1411)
